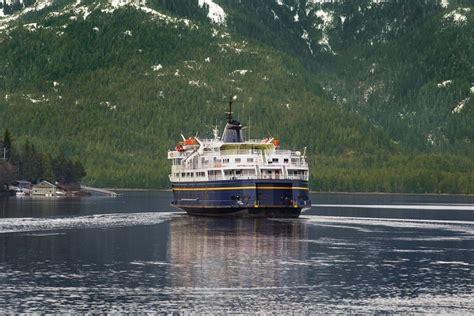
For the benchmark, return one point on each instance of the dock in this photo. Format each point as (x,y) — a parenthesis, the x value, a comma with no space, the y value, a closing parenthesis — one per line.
(98,190)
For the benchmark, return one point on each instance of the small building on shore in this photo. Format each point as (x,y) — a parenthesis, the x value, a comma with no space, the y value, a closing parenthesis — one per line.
(44,188)
(23,185)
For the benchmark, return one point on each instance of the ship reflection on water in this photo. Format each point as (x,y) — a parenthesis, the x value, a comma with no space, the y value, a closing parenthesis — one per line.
(230,253)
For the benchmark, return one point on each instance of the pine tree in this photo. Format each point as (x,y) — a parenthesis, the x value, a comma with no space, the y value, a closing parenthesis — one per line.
(7,145)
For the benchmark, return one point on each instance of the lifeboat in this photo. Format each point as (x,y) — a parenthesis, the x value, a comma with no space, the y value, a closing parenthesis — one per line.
(186,144)
(191,141)
(276,142)
(271,140)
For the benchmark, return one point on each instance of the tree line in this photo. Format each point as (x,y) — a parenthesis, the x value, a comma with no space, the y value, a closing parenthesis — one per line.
(27,163)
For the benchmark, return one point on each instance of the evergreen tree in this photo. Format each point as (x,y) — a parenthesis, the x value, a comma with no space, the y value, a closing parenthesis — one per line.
(7,145)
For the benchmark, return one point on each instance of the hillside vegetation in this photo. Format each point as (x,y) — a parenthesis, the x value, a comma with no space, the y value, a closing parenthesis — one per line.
(116,86)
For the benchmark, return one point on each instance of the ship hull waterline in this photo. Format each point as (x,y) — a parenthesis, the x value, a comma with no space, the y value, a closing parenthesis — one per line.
(243,198)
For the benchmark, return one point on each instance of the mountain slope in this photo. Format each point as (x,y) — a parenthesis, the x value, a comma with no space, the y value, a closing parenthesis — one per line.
(116,83)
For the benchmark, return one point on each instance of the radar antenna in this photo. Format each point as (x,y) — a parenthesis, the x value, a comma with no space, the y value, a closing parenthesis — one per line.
(232,98)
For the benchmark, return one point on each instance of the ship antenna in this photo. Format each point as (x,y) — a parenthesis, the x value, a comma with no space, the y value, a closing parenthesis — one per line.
(232,99)
(229,114)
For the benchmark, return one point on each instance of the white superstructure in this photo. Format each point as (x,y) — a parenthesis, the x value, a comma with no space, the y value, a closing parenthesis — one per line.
(195,160)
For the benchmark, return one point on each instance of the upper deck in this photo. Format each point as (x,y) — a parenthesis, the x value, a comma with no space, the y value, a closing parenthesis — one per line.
(231,157)
(249,160)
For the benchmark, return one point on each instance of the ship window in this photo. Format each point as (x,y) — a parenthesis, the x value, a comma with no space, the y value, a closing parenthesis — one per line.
(238,171)
(285,160)
(275,160)
(293,160)
(249,159)
(183,174)
(226,160)
(237,160)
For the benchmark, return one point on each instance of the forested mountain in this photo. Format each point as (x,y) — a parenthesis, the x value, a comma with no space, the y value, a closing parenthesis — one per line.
(380,92)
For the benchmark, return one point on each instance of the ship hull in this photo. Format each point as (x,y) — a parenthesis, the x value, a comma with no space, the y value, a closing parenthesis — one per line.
(244,212)
(280,198)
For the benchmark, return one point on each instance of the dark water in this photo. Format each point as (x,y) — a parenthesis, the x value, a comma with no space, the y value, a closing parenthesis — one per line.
(357,253)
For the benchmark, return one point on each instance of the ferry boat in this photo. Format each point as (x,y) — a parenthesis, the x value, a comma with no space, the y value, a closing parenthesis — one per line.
(231,176)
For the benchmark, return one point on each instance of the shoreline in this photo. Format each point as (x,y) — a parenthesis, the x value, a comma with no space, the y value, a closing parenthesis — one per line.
(313,192)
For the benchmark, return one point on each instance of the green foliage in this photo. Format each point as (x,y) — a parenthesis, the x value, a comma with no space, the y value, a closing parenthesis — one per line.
(7,174)
(7,145)
(118,89)
(67,171)
(421,173)
(29,164)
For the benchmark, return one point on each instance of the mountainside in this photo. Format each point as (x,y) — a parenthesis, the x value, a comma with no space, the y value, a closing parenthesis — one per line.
(379,92)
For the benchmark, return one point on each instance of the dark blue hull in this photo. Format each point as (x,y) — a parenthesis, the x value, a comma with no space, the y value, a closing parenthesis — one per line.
(254,198)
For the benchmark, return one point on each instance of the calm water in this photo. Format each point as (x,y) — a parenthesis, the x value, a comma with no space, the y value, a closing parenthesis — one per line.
(350,253)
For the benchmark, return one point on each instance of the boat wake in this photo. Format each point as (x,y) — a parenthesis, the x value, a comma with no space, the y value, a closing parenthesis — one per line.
(363,224)
(457,207)
(28,224)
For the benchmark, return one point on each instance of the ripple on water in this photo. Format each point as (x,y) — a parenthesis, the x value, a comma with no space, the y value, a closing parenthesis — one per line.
(14,225)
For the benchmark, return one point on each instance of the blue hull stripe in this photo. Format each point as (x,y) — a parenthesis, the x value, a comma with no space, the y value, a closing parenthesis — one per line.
(282,194)
(242,188)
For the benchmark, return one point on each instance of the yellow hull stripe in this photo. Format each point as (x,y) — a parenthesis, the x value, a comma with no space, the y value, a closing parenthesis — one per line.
(241,188)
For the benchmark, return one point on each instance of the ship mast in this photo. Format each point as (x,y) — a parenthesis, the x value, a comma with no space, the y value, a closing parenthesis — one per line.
(229,114)
(233,129)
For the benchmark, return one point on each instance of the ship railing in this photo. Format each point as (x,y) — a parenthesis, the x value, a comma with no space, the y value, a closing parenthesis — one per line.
(284,152)
(241,152)
(265,177)
(239,177)
(250,165)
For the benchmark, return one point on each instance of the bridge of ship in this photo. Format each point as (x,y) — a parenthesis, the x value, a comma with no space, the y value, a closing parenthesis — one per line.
(238,161)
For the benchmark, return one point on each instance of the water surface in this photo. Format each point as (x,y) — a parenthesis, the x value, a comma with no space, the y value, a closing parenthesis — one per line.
(136,253)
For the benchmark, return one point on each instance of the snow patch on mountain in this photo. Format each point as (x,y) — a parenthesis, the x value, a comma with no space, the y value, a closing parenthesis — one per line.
(32,26)
(327,19)
(197,83)
(157,67)
(460,105)
(142,6)
(240,71)
(38,99)
(444,83)
(108,105)
(457,16)
(305,37)
(216,14)
(5,20)
(83,11)
(275,16)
